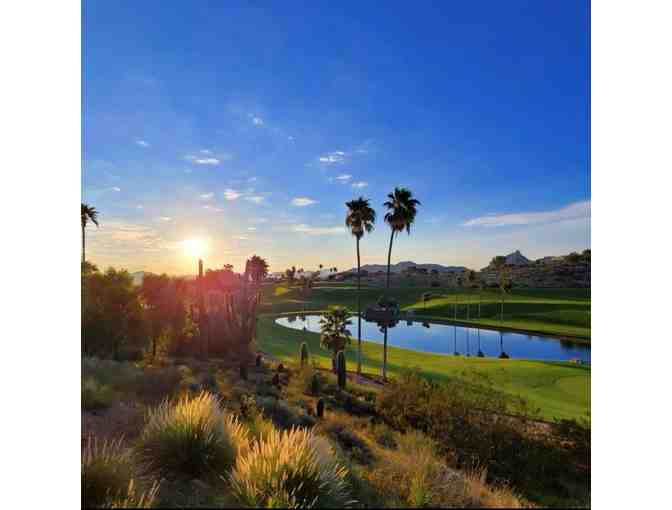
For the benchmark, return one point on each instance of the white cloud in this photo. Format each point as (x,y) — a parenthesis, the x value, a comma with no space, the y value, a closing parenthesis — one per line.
(241,238)
(344,178)
(317,231)
(202,161)
(207,196)
(115,188)
(577,210)
(232,194)
(256,120)
(165,218)
(261,220)
(251,229)
(331,158)
(257,199)
(142,143)
(206,151)
(139,206)
(303,201)
(360,184)
(212,208)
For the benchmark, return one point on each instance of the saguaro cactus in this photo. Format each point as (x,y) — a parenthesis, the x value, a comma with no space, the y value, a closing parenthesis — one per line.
(320,408)
(341,369)
(239,319)
(304,354)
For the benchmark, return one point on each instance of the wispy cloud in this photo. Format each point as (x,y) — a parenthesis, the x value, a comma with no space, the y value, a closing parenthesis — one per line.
(206,151)
(232,194)
(142,143)
(574,211)
(360,184)
(252,229)
(257,199)
(303,201)
(344,178)
(332,158)
(203,161)
(165,218)
(317,231)
(207,196)
(212,208)
(115,188)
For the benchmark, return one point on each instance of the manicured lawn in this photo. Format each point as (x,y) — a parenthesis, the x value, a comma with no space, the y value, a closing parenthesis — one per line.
(559,390)
(563,312)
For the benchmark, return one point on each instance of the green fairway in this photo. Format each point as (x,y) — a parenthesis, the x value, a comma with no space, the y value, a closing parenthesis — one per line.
(560,312)
(559,390)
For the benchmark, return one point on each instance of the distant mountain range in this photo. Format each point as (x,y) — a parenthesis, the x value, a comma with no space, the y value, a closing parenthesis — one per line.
(401,266)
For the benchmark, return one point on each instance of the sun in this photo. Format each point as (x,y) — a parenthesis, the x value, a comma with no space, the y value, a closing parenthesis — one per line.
(194,247)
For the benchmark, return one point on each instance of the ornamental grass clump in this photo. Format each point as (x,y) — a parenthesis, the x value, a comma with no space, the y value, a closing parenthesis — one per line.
(107,477)
(190,438)
(292,469)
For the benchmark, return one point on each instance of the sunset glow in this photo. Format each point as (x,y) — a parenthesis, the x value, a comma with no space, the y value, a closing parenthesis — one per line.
(195,247)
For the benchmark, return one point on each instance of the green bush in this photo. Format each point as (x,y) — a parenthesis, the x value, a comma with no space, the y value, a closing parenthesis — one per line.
(190,438)
(108,478)
(95,395)
(291,469)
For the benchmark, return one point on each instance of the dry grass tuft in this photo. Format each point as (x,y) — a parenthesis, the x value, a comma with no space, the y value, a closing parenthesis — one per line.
(291,469)
(190,438)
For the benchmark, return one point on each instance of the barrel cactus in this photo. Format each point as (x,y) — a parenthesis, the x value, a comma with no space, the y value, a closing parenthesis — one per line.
(341,369)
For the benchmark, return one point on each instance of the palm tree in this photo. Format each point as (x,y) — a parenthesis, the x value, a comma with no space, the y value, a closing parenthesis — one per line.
(88,213)
(335,333)
(360,218)
(401,212)
(256,268)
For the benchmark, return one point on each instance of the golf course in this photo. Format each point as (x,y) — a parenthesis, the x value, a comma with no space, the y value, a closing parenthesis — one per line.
(558,390)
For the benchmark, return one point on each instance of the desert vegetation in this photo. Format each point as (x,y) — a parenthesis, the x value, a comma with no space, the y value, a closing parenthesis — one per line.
(193,397)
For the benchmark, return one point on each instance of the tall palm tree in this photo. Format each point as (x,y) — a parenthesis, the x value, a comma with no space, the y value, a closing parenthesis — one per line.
(89,213)
(360,218)
(400,215)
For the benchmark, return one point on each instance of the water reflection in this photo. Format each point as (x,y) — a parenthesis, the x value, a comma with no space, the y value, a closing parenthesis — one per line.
(432,337)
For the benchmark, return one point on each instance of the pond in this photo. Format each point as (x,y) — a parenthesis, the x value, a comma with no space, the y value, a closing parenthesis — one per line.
(447,339)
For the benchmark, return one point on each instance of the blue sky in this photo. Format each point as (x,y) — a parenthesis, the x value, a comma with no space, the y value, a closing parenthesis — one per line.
(249,124)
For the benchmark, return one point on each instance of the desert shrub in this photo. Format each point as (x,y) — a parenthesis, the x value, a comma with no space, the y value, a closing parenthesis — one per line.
(470,425)
(384,436)
(95,395)
(156,383)
(350,442)
(108,477)
(293,469)
(282,415)
(190,438)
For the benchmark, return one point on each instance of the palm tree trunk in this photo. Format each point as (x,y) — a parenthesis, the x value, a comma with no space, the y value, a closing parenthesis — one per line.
(501,310)
(389,258)
(83,244)
(359,315)
(387,287)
